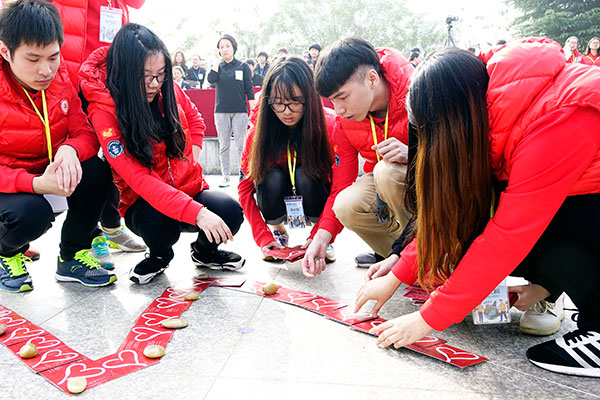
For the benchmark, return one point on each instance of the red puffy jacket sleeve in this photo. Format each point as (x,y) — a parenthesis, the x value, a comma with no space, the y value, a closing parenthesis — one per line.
(160,195)
(544,171)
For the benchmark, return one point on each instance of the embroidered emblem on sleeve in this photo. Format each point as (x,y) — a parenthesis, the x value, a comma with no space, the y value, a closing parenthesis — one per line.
(115,148)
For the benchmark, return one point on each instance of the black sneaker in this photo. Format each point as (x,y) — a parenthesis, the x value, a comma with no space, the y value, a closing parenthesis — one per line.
(365,260)
(576,353)
(148,268)
(217,259)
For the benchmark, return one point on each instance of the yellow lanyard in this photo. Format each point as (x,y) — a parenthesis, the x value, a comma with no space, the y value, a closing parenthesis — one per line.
(385,131)
(44,119)
(292,169)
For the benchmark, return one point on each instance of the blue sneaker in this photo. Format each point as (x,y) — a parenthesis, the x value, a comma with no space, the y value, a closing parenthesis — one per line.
(14,277)
(85,269)
(100,252)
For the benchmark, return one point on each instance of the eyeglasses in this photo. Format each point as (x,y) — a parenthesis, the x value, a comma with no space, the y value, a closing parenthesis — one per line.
(160,78)
(280,107)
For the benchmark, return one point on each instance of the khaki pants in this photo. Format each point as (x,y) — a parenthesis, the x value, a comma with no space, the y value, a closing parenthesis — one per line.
(355,206)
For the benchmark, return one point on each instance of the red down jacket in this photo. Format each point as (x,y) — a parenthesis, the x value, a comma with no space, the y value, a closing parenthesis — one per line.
(260,231)
(351,138)
(173,198)
(23,147)
(81,25)
(539,143)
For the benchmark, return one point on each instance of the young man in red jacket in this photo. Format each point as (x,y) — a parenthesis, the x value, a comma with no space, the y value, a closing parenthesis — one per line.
(48,148)
(368,89)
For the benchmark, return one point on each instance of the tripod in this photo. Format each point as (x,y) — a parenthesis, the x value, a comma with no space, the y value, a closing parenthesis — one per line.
(449,42)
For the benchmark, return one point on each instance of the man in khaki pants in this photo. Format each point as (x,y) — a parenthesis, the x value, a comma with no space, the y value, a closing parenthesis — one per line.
(368,88)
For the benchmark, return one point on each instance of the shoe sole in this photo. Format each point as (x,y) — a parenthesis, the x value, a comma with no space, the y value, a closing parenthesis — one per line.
(363,265)
(561,369)
(125,249)
(24,288)
(542,332)
(144,279)
(229,267)
(61,278)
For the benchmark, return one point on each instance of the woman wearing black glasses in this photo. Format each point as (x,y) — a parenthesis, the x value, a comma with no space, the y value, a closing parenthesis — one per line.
(287,157)
(151,135)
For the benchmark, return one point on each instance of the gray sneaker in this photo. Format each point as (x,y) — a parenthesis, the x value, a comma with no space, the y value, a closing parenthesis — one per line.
(122,240)
(100,252)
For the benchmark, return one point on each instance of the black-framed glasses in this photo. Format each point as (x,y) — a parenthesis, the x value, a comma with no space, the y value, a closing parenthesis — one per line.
(160,78)
(280,107)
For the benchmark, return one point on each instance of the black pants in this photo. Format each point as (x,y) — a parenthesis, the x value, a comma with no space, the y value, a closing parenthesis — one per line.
(25,217)
(110,217)
(160,232)
(277,184)
(567,257)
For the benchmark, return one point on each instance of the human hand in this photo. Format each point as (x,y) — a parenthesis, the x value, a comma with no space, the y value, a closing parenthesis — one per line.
(379,289)
(215,229)
(313,262)
(47,183)
(402,331)
(273,245)
(528,295)
(68,173)
(392,150)
(308,242)
(382,267)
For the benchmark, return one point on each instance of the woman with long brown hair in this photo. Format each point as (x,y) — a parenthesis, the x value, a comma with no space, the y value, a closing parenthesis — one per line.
(592,53)
(287,153)
(504,179)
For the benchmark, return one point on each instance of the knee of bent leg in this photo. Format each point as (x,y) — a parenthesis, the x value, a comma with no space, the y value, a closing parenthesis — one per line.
(345,206)
(36,222)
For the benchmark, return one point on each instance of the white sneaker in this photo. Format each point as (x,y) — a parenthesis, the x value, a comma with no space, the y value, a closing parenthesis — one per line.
(543,318)
(225,182)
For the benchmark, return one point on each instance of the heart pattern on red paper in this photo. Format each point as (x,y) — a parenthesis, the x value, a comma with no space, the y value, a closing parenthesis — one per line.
(125,358)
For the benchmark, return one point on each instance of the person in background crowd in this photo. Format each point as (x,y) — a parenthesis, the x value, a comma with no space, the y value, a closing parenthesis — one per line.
(47,154)
(591,56)
(472,50)
(152,139)
(368,88)
(572,55)
(282,52)
(233,81)
(501,42)
(415,58)
(257,80)
(196,74)
(311,64)
(178,77)
(494,194)
(313,51)
(179,61)
(263,65)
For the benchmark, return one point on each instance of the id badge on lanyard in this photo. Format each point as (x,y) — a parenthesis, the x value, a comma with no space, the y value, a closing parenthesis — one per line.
(495,309)
(293,204)
(111,20)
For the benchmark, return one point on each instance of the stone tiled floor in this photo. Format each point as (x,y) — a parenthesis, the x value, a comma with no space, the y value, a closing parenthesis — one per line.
(288,352)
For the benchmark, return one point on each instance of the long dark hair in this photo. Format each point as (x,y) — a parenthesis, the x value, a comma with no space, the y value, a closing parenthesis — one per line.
(142,124)
(309,136)
(449,174)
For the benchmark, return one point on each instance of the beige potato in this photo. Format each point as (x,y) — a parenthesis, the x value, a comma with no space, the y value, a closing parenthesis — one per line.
(175,323)
(154,351)
(193,295)
(270,289)
(76,385)
(2,329)
(28,351)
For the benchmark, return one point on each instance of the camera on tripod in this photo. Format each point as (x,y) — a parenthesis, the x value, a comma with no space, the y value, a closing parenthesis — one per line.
(450,20)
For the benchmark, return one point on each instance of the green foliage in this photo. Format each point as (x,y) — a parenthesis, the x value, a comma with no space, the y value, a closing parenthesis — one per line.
(558,19)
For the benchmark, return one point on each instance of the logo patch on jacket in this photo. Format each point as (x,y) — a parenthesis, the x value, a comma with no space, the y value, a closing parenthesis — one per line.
(107,133)
(337,160)
(115,148)
(64,106)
